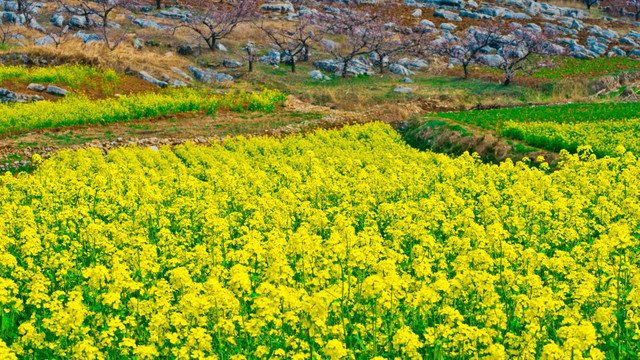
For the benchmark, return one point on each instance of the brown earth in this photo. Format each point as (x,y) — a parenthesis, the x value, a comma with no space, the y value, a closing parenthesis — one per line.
(94,89)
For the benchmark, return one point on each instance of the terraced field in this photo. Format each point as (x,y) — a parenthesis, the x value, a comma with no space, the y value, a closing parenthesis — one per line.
(608,128)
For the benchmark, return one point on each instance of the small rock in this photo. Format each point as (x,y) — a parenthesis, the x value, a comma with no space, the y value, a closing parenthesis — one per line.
(447,15)
(447,26)
(146,77)
(36,87)
(137,43)
(427,23)
(416,13)
(221,47)
(231,64)
(403,90)
(45,40)
(407,81)
(318,75)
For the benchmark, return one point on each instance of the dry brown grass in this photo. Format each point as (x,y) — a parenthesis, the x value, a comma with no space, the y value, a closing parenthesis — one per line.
(122,58)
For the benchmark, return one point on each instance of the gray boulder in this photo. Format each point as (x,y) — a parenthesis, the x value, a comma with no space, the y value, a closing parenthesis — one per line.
(88,38)
(13,18)
(148,78)
(221,47)
(57,20)
(473,15)
(182,74)
(493,11)
(45,40)
(616,51)
(330,66)
(491,60)
(414,64)
(318,75)
(447,26)
(272,58)
(416,13)
(174,83)
(231,64)
(427,23)
(138,44)
(599,48)
(175,14)
(36,87)
(534,27)
(447,15)
(144,23)
(280,7)
(628,41)
(516,15)
(403,90)
(78,21)
(55,90)
(11,6)
(633,34)
(209,76)
(398,69)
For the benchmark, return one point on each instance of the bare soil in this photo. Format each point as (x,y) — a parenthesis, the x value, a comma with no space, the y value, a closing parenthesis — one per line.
(95,89)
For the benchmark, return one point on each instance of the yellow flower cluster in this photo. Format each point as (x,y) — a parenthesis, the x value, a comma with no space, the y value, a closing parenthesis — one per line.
(343,244)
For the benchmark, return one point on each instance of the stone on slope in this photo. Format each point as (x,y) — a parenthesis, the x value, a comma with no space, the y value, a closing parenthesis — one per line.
(36,87)
(55,90)
(447,15)
(403,90)
(148,78)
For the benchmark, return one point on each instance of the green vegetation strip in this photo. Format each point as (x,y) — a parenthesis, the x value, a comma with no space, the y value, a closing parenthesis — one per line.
(603,126)
(71,75)
(572,67)
(73,110)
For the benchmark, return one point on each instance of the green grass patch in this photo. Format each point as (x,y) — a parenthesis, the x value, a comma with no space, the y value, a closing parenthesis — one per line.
(71,75)
(77,110)
(603,126)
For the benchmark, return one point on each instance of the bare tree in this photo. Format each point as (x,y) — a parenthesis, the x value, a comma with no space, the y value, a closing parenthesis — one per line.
(216,20)
(523,50)
(251,54)
(384,43)
(102,9)
(292,41)
(59,35)
(466,48)
(355,27)
(7,31)
(388,44)
(630,6)
(28,10)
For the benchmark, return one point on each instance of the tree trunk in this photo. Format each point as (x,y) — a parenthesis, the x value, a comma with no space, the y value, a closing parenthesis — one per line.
(305,54)
(211,42)
(158,4)
(465,67)
(293,65)
(507,81)
(345,65)
(250,66)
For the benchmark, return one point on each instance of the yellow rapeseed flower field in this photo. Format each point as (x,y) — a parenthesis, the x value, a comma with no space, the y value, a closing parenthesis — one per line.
(342,244)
